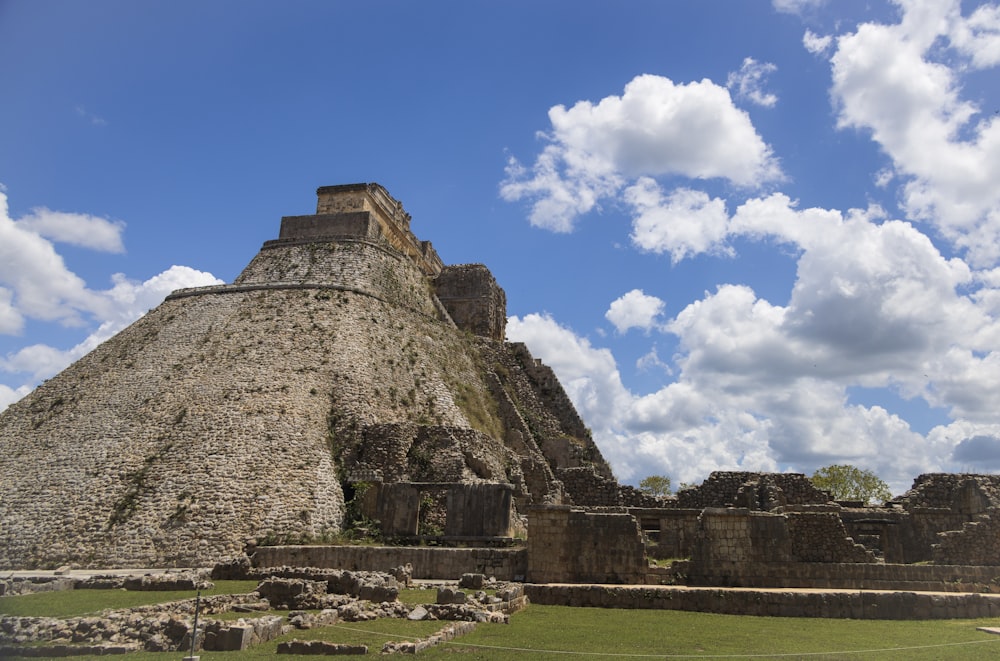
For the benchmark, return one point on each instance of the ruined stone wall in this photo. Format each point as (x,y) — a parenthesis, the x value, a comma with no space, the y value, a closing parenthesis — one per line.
(537,483)
(977,543)
(470,511)
(208,421)
(822,537)
(428,562)
(551,393)
(587,488)
(753,490)
(413,452)
(733,543)
(569,545)
(236,412)
(473,299)
(541,419)
(887,531)
(675,530)
(629,496)
(962,493)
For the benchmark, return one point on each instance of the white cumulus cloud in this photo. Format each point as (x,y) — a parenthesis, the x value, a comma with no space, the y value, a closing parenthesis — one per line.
(685,223)
(635,310)
(764,385)
(36,284)
(76,229)
(795,6)
(749,81)
(655,128)
(899,82)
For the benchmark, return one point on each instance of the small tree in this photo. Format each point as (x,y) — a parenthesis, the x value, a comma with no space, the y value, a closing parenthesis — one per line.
(845,482)
(655,485)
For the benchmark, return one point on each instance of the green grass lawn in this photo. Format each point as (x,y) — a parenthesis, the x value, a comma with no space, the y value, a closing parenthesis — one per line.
(72,603)
(558,632)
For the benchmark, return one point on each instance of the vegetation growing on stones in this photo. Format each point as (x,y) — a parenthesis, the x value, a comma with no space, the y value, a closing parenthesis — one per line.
(655,485)
(846,482)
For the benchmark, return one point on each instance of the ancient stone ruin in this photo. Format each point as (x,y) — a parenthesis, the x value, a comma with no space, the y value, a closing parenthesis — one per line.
(348,383)
(345,360)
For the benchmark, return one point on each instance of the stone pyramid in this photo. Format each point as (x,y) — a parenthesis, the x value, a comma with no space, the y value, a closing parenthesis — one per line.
(344,353)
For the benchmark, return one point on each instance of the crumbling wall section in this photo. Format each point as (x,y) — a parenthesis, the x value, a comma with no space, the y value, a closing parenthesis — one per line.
(962,493)
(588,488)
(977,543)
(732,544)
(407,451)
(822,537)
(473,299)
(758,491)
(570,545)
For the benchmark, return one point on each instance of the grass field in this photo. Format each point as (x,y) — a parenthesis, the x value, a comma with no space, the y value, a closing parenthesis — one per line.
(556,632)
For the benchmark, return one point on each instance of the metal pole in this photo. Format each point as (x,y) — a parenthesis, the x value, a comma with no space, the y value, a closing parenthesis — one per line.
(194,631)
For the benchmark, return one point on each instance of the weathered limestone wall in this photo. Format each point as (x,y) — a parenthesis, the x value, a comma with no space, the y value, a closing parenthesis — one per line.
(427,561)
(733,543)
(773,603)
(478,510)
(861,576)
(568,545)
(411,452)
(234,413)
(962,493)
(586,487)
(942,502)
(977,543)
(473,299)
(554,399)
(304,229)
(361,266)
(632,497)
(162,447)
(822,537)
(674,530)
(758,491)
(206,423)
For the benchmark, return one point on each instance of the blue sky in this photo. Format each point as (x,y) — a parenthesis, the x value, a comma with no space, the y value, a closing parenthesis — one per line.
(746,235)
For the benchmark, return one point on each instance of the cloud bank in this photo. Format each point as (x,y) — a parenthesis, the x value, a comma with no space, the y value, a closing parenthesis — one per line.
(36,285)
(769,385)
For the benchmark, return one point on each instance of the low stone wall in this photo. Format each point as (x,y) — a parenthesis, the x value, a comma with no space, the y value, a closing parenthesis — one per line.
(427,561)
(858,576)
(780,603)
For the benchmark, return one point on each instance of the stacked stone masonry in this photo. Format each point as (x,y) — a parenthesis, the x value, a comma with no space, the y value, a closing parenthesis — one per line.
(235,413)
(570,545)
(427,562)
(773,603)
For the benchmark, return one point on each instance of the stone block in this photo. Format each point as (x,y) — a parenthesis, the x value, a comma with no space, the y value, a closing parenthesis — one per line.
(319,647)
